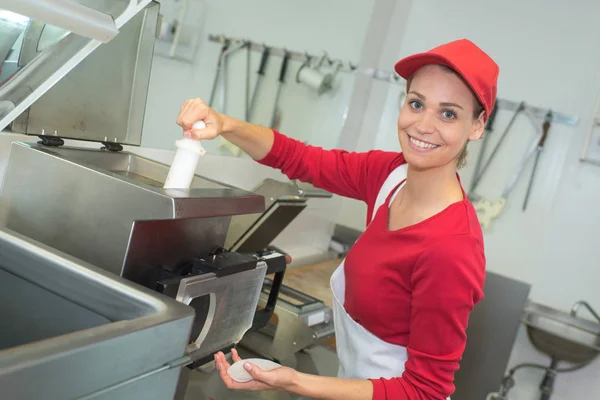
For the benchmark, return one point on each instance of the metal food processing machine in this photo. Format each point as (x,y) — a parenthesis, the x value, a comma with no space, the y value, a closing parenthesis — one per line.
(114,287)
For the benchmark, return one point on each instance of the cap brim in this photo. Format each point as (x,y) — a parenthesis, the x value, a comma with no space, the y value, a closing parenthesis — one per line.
(411,64)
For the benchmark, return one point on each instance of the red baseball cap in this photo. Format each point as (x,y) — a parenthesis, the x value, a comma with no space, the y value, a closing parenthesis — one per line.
(466,59)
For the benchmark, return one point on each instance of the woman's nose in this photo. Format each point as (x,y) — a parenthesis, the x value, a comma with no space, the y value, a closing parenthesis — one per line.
(426,123)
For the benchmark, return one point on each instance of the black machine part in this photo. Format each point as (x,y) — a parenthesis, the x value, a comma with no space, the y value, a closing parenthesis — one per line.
(269,225)
(222,263)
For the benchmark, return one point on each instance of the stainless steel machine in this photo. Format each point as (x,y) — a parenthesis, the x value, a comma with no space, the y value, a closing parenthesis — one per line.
(70,330)
(137,283)
(299,321)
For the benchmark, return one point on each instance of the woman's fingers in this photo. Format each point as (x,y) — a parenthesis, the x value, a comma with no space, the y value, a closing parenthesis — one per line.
(235,356)
(192,111)
(195,110)
(207,133)
(267,377)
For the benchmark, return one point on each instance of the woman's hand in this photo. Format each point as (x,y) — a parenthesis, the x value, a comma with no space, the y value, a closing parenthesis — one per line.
(281,379)
(254,140)
(195,110)
(288,380)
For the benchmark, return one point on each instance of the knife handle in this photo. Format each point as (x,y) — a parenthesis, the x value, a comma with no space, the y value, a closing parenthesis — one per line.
(263,60)
(286,58)
(545,129)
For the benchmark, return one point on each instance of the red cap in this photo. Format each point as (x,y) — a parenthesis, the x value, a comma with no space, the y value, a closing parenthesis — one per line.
(468,60)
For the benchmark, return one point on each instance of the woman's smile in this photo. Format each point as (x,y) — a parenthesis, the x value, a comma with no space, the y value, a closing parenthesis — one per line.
(421,145)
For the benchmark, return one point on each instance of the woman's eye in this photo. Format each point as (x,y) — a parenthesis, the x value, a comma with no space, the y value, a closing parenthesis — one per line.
(416,104)
(449,114)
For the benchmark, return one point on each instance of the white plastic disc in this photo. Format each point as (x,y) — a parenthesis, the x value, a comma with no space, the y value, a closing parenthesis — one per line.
(239,374)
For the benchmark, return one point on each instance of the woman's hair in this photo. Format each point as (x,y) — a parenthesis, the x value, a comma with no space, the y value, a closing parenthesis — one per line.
(477,110)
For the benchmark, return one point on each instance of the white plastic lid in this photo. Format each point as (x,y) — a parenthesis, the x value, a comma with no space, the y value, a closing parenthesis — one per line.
(239,374)
(193,145)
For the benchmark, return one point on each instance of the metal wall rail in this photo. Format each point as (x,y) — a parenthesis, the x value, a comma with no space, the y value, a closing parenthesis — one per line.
(379,74)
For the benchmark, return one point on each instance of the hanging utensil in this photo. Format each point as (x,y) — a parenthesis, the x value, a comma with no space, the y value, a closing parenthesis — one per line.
(218,73)
(276,118)
(221,77)
(259,78)
(488,210)
(477,179)
(248,62)
(538,151)
(489,127)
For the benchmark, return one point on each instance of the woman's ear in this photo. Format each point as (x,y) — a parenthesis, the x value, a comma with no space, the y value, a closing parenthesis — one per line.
(478,127)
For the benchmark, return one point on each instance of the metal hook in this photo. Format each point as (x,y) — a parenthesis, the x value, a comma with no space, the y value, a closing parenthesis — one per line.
(305,64)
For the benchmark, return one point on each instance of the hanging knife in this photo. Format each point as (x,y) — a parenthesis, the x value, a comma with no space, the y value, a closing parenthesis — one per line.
(276,118)
(261,74)
(540,147)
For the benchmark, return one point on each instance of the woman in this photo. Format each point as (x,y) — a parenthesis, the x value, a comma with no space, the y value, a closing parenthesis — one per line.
(403,295)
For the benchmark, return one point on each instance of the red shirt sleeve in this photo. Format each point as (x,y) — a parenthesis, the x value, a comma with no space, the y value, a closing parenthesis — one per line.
(348,174)
(446,283)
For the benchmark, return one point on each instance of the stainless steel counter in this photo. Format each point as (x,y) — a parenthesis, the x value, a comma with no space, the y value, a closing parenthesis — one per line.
(69,329)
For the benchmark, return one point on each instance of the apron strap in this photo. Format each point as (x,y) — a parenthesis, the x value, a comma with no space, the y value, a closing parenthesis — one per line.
(393,179)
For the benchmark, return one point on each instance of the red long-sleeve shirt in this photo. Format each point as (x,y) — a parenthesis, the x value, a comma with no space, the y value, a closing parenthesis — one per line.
(414,287)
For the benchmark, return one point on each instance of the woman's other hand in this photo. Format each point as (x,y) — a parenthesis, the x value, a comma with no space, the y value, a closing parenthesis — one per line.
(195,110)
(280,379)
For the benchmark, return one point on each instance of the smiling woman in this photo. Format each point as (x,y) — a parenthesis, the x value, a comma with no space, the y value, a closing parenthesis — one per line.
(403,295)
(478,108)
(467,113)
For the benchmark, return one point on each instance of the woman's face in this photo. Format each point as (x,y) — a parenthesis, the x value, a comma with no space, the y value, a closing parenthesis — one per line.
(436,120)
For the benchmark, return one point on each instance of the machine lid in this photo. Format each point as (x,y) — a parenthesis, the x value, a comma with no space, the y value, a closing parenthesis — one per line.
(40,42)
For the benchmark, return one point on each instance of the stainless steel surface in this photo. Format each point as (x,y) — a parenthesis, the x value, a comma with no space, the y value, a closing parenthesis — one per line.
(300,322)
(66,325)
(104,97)
(10,31)
(45,66)
(491,334)
(85,202)
(272,190)
(110,209)
(585,304)
(37,37)
(232,302)
(561,335)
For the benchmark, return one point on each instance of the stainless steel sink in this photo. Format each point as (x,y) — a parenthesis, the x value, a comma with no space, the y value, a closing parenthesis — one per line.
(70,330)
(560,335)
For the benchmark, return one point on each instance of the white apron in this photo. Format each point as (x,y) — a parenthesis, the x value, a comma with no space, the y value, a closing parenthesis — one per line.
(361,354)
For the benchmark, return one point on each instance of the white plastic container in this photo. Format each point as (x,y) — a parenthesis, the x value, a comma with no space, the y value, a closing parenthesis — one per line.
(185,161)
